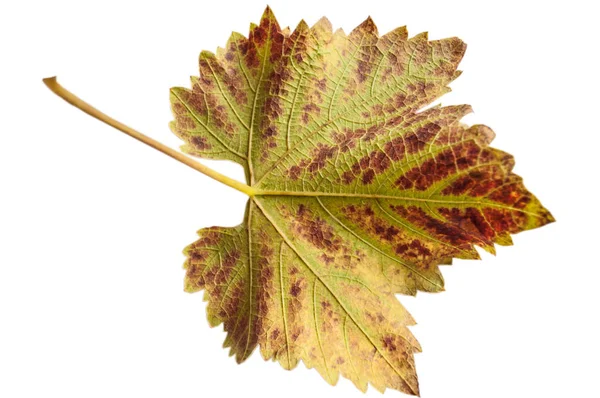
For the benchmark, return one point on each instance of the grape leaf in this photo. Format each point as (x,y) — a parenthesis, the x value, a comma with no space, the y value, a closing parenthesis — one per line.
(359,193)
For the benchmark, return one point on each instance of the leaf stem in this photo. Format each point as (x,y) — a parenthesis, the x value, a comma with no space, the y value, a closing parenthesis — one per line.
(77,102)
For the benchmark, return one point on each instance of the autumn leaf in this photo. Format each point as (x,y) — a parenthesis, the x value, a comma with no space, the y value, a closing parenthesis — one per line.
(360,194)
(357,192)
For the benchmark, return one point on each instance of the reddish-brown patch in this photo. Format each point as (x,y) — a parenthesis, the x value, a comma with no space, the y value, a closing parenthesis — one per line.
(415,250)
(250,50)
(297,45)
(445,231)
(419,49)
(219,115)
(267,33)
(231,304)
(322,84)
(368,176)
(505,220)
(194,271)
(489,222)
(349,138)
(389,343)
(451,50)
(365,35)
(277,39)
(297,287)
(296,333)
(314,229)
(445,163)
(184,122)
(375,318)
(210,237)
(275,333)
(265,279)
(272,107)
(379,161)
(227,266)
(197,256)
(307,111)
(392,45)
(402,244)
(320,155)
(294,172)
(200,143)
(195,99)
(330,317)
(231,78)
(327,259)
(512,194)
(178,108)
(326,306)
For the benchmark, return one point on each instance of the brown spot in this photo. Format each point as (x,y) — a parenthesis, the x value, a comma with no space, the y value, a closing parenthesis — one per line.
(451,50)
(327,259)
(389,343)
(194,272)
(295,334)
(347,140)
(229,262)
(392,45)
(444,164)
(185,122)
(272,107)
(275,334)
(379,161)
(446,231)
(209,237)
(320,155)
(366,35)
(296,288)
(368,176)
(348,177)
(265,279)
(513,194)
(211,69)
(402,244)
(315,230)
(232,304)
(200,143)
(322,84)
(309,109)
(195,99)
(478,219)
(505,220)
(197,255)
(294,172)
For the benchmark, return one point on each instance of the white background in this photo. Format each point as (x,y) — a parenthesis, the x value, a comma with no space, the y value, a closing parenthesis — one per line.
(92,223)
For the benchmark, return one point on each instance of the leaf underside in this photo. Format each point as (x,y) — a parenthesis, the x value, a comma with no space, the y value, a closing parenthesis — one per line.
(365,193)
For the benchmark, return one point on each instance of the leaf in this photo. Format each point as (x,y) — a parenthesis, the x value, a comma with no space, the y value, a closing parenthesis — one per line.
(359,193)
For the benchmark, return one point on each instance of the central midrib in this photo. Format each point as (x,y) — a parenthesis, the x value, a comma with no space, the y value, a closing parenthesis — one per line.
(392,197)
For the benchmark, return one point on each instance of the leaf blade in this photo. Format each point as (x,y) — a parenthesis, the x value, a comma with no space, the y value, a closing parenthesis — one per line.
(360,194)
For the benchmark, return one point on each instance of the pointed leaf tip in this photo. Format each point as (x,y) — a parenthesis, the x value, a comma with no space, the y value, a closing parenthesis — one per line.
(323,24)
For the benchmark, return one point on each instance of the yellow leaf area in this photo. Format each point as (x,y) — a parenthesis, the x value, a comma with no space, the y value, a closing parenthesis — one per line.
(357,193)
